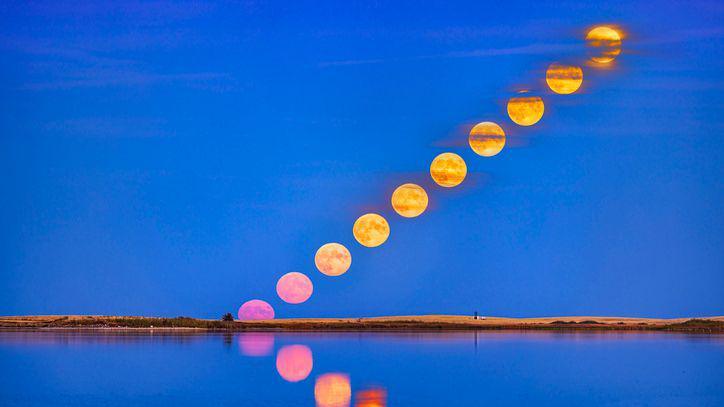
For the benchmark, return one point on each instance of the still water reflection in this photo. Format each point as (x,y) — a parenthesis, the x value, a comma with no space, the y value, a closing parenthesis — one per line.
(256,343)
(294,362)
(359,369)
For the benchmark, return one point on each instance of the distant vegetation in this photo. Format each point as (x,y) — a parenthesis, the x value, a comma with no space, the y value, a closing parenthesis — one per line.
(226,323)
(587,322)
(138,322)
(698,325)
(120,322)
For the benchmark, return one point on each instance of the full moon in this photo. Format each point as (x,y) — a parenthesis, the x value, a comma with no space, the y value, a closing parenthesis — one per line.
(409,200)
(604,44)
(255,310)
(448,170)
(294,288)
(564,79)
(333,259)
(487,139)
(294,362)
(525,110)
(371,230)
(332,390)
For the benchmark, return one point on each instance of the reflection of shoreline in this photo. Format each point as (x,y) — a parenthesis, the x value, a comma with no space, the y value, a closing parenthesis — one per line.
(97,336)
(423,323)
(250,345)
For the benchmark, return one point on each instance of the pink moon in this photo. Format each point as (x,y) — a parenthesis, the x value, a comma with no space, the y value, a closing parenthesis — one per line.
(255,310)
(294,362)
(294,288)
(256,343)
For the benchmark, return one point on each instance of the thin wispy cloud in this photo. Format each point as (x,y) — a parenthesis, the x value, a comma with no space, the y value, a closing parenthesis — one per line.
(53,65)
(143,11)
(532,49)
(120,78)
(458,138)
(704,33)
(110,127)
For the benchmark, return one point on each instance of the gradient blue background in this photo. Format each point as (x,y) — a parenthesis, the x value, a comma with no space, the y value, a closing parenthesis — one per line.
(172,158)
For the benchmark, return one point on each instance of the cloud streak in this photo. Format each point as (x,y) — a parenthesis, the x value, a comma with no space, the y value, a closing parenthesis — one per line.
(52,65)
(532,49)
(209,80)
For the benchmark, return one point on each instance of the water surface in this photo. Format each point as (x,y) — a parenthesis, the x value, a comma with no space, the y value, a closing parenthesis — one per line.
(366,369)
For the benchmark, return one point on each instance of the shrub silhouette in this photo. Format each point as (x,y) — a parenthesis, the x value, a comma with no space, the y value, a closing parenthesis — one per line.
(227,317)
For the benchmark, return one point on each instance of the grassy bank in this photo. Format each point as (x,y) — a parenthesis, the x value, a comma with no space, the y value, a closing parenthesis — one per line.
(430,323)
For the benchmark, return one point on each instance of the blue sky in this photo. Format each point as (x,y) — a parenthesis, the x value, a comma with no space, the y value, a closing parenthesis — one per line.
(176,158)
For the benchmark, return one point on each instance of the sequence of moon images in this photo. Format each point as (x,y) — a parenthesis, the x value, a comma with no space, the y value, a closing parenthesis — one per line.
(294,363)
(448,170)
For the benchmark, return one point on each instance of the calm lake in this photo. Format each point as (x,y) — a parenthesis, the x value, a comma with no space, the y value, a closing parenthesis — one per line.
(360,369)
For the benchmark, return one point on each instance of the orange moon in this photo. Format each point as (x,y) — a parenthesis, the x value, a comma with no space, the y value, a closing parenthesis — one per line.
(294,362)
(487,139)
(376,397)
(294,288)
(333,259)
(525,110)
(604,43)
(448,170)
(564,79)
(409,200)
(371,230)
(332,390)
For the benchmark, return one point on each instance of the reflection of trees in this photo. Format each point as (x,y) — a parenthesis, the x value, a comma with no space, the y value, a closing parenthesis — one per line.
(99,336)
(228,339)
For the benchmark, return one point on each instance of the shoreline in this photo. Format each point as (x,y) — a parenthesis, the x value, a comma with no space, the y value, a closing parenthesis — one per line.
(417,323)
